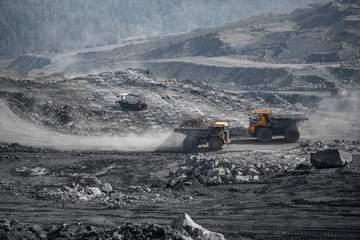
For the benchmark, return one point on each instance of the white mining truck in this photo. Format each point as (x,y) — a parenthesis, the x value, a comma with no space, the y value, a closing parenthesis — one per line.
(130,101)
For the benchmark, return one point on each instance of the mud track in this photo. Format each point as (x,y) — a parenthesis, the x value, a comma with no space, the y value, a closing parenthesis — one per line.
(295,205)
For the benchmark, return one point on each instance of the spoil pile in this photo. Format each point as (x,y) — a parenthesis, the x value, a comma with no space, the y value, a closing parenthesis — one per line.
(340,144)
(252,166)
(211,170)
(182,227)
(17,230)
(104,194)
(25,64)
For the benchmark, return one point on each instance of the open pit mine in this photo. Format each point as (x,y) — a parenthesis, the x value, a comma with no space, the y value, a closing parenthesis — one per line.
(248,130)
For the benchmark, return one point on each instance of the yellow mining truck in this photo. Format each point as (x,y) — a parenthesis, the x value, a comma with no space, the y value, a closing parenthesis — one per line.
(214,135)
(264,125)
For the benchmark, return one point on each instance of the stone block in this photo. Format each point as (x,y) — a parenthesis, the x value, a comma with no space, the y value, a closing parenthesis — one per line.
(330,158)
(217,172)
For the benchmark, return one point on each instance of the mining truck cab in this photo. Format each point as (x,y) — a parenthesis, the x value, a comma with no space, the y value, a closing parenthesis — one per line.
(264,125)
(130,101)
(214,136)
(261,118)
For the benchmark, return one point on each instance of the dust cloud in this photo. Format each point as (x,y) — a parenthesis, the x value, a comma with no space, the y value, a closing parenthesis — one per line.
(336,118)
(130,142)
(174,142)
(14,129)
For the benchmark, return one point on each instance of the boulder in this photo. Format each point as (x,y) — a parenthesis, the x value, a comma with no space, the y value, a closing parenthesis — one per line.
(189,228)
(174,182)
(106,187)
(217,172)
(330,158)
(94,191)
(240,178)
(250,171)
(227,178)
(190,160)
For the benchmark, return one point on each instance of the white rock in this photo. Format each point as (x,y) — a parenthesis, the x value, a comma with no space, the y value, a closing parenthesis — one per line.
(217,172)
(95,191)
(188,227)
(252,171)
(106,187)
(246,178)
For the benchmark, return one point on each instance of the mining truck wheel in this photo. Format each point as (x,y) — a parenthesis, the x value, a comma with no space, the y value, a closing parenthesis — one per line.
(264,135)
(291,134)
(190,144)
(215,144)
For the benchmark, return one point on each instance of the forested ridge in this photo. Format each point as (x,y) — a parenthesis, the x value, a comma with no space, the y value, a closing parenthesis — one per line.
(34,26)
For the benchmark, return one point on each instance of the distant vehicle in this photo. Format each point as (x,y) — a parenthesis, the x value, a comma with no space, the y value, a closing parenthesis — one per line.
(215,136)
(130,101)
(339,92)
(265,125)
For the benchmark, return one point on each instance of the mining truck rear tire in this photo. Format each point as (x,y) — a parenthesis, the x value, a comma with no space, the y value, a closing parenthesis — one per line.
(190,144)
(291,134)
(215,144)
(264,135)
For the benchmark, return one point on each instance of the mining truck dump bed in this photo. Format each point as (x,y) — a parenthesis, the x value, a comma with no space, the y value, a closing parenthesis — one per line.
(297,117)
(265,125)
(287,120)
(215,136)
(195,132)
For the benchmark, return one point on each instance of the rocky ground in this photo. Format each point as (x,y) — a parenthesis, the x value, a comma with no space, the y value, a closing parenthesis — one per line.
(312,48)
(74,166)
(85,106)
(48,193)
(63,175)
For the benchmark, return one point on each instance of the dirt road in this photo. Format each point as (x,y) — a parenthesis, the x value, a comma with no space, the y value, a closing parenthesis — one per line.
(315,204)
(15,129)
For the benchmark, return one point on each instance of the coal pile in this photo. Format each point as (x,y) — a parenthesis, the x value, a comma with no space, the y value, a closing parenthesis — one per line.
(182,227)
(17,230)
(212,170)
(25,64)
(340,144)
(197,123)
(95,193)
(238,131)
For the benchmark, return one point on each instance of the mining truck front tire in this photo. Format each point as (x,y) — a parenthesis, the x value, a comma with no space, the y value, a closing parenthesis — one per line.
(215,144)
(264,135)
(291,134)
(190,144)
